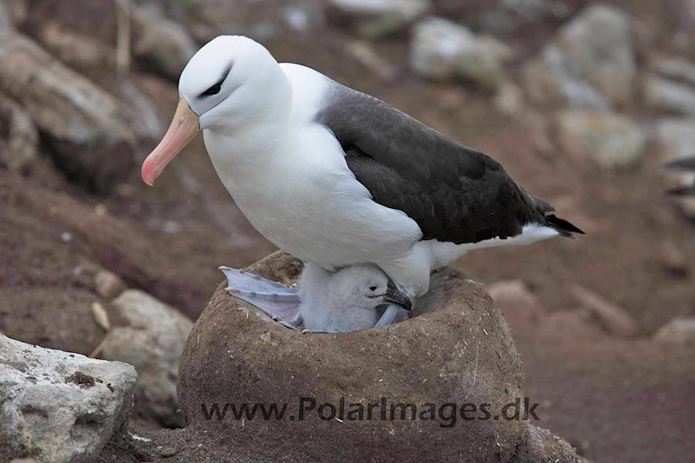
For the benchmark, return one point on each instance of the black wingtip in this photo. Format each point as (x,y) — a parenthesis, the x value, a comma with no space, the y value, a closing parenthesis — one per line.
(686,164)
(562,226)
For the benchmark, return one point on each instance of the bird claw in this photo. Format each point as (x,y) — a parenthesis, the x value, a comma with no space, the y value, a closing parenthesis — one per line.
(286,324)
(307,331)
(388,317)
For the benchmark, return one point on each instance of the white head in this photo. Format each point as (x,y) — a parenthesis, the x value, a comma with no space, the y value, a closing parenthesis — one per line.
(365,287)
(231,83)
(348,299)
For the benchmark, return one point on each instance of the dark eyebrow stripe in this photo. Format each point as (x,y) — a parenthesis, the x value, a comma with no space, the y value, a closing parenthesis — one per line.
(212,90)
(225,73)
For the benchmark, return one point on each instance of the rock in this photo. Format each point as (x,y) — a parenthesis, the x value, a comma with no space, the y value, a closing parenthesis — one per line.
(610,140)
(365,54)
(567,326)
(13,13)
(74,49)
(612,317)
(553,80)
(461,351)
(18,136)
(590,63)
(678,69)
(303,17)
(5,17)
(680,331)
(376,18)
(509,17)
(669,96)
(108,285)
(86,129)
(152,343)
(519,306)
(443,50)
(675,138)
(57,406)
(509,99)
(160,43)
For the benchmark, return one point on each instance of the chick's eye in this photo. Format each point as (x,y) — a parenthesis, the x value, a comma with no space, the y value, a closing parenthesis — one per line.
(214,90)
(372,288)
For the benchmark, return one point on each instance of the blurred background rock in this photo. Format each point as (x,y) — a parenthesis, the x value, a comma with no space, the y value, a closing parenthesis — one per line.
(581,102)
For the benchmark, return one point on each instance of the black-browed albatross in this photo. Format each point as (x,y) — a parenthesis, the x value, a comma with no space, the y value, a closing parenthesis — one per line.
(336,177)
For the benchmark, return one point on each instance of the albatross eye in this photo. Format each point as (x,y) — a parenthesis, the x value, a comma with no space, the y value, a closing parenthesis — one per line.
(214,90)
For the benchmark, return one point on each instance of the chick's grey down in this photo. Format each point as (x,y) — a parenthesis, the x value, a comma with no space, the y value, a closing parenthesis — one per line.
(354,298)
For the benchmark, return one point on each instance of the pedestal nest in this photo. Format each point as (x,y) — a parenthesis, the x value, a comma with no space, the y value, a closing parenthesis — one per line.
(456,350)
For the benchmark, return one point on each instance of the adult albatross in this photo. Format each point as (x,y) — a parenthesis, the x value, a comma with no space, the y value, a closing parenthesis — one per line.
(336,177)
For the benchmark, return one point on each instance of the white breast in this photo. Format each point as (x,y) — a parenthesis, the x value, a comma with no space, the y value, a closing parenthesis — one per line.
(293,184)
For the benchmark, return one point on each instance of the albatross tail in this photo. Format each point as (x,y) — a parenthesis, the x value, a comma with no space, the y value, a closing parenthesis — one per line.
(563,227)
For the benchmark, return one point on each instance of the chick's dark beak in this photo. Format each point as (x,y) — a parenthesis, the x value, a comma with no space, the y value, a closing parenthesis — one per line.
(398,296)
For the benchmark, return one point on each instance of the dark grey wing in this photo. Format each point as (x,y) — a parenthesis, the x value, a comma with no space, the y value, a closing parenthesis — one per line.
(454,193)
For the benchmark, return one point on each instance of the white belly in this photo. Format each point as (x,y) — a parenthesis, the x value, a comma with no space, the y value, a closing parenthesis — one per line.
(307,202)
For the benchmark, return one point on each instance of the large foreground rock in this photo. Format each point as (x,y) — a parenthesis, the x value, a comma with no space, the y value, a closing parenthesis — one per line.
(457,350)
(59,407)
(88,131)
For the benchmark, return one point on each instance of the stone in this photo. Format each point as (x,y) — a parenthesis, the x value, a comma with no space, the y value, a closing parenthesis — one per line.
(568,326)
(678,69)
(77,50)
(86,129)
(509,99)
(160,43)
(376,18)
(612,141)
(57,406)
(13,13)
(444,50)
(589,64)
(680,332)
(5,17)
(669,96)
(18,136)
(519,305)
(554,81)
(108,285)
(611,316)
(457,349)
(675,138)
(152,342)
(365,54)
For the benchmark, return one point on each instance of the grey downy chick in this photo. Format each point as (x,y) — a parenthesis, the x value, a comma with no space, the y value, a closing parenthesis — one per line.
(353,298)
